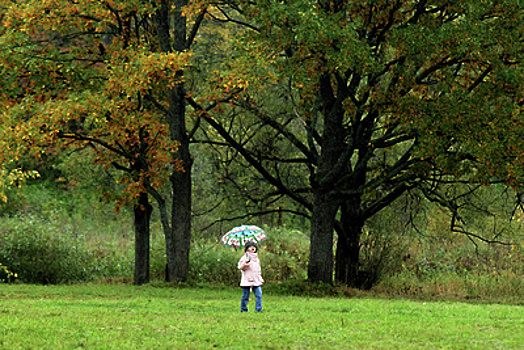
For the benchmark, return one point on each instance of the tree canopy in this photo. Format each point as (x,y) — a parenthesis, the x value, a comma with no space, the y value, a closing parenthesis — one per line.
(341,106)
(382,97)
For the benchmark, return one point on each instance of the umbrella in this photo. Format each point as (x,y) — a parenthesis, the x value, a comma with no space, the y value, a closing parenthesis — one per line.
(239,236)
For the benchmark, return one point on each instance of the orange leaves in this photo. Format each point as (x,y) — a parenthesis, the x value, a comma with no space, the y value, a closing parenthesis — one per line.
(86,75)
(229,83)
(132,72)
(195,7)
(225,87)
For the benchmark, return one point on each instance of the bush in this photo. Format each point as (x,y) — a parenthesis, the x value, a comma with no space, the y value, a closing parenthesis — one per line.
(114,259)
(456,269)
(209,262)
(283,257)
(214,263)
(39,252)
(380,256)
(6,275)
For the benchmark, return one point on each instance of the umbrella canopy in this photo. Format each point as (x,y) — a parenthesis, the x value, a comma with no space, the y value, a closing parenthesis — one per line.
(239,236)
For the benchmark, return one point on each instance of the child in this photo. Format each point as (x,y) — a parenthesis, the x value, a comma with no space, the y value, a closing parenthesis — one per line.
(251,277)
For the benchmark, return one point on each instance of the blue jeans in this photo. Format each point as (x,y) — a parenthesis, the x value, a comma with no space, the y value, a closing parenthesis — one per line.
(245,298)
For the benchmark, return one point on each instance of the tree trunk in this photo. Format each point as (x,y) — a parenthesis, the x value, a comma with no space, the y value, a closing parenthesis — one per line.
(180,180)
(325,201)
(320,267)
(142,215)
(179,239)
(181,211)
(347,258)
(178,258)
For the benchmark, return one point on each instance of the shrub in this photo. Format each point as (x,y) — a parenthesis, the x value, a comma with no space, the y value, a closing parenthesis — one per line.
(213,263)
(459,270)
(40,252)
(380,256)
(113,259)
(6,275)
(283,257)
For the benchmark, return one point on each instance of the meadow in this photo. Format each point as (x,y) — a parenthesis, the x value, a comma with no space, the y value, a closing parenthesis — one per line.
(120,316)
(72,289)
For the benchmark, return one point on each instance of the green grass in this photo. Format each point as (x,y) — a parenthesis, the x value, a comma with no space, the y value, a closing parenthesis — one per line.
(98,316)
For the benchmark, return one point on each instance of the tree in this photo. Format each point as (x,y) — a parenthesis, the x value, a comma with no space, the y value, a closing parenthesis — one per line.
(110,76)
(384,97)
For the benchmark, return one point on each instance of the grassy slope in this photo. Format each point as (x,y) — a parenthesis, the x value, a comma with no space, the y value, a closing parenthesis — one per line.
(148,317)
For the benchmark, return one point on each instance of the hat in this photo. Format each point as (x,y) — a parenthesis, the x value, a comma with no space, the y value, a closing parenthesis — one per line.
(249,244)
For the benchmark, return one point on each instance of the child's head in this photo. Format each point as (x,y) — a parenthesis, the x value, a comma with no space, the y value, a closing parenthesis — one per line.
(251,247)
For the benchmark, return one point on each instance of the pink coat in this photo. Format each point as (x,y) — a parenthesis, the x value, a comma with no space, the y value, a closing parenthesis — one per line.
(251,271)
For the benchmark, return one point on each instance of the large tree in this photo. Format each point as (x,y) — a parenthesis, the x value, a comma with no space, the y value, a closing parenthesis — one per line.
(383,96)
(109,75)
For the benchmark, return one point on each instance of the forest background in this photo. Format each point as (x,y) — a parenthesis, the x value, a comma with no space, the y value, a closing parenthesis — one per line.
(378,143)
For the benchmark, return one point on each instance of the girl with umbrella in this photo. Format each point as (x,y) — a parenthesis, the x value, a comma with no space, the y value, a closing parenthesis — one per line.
(251,277)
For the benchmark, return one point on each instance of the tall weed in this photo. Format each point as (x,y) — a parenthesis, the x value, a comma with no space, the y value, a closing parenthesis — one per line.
(47,251)
(283,257)
(460,270)
(40,252)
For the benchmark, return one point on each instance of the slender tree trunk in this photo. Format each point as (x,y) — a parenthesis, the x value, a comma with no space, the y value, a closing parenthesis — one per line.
(179,239)
(180,180)
(181,183)
(181,223)
(142,215)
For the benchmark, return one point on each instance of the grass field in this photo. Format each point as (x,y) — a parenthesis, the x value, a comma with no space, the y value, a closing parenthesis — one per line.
(99,316)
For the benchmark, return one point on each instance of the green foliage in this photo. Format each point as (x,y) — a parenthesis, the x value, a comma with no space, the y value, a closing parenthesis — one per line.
(214,264)
(458,270)
(6,275)
(283,257)
(114,260)
(41,252)
(71,204)
(285,254)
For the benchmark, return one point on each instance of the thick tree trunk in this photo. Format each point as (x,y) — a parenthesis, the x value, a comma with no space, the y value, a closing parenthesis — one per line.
(142,216)
(320,267)
(325,201)
(347,259)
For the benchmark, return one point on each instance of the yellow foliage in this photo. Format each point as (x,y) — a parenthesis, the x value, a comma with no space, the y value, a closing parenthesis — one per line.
(14,178)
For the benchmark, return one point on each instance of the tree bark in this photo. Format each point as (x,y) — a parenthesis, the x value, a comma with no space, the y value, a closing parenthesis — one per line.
(179,239)
(347,259)
(181,184)
(142,215)
(180,180)
(320,268)
(325,200)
